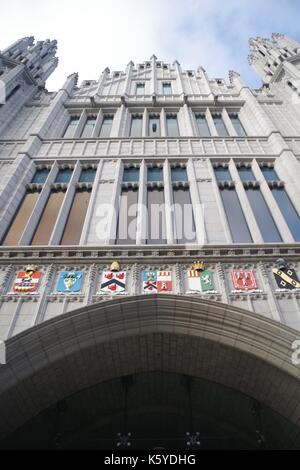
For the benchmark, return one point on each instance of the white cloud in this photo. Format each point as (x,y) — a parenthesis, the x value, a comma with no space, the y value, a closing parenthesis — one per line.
(99,33)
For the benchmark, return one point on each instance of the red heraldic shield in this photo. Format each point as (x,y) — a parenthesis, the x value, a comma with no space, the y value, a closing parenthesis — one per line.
(243,280)
(164,281)
(27,281)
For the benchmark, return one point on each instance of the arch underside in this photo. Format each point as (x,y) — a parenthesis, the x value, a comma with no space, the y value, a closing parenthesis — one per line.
(131,364)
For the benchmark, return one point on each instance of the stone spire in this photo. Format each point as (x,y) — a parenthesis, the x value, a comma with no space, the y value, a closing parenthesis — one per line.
(269,56)
(39,59)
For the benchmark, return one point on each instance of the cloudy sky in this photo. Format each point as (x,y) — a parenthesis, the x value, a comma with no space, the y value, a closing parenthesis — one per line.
(94,34)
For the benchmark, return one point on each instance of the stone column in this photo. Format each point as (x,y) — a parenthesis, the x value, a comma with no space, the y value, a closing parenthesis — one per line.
(169,213)
(142,216)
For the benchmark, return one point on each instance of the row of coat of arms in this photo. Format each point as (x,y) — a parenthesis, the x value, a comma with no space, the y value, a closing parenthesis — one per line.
(199,279)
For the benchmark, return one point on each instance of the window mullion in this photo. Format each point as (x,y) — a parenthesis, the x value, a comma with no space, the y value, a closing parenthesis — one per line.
(272,204)
(34,219)
(65,207)
(211,124)
(245,204)
(141,226)
(98,124)
(169,214)
(80,125)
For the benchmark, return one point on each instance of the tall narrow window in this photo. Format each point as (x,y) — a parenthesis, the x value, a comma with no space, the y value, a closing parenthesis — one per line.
(269,173)
(288,211)
(136,126)
(131,174)
(167,88)
(220,126)
(154,126)
(202,125)
(40,176)
(156,216)
(106,127)
(246,174)
(140,88)
(126,229)
(76,217)
(178,173)
(47,221)
(284,203)
(154,174)
(263,216)
(237,223)
(172,126)
(89,127)
(87,175)
(184,218)
(18,225)
(64,175)
(237,125)
(69,133)
(222,173)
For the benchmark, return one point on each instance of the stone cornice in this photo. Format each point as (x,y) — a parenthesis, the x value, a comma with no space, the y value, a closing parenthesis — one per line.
(144,253)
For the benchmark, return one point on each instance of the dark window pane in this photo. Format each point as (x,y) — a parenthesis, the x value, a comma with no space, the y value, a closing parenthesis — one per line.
(140,88)
(87,175)
(17,227)
(155,174)
(269,173)
(184,218)
(64,176)
(131,174)
(76,217)
(222,174)
(167,89)
(136,126)
(48,219)
(40,176)
(202,125)
(288,211)
(126,230)
(172,126)
(238,126)
(89,127)
(106,127)
(246,173)
(69,133)
(156,216)
(154,126)
(178,174)
(220,126)
(263,216)
(237,223)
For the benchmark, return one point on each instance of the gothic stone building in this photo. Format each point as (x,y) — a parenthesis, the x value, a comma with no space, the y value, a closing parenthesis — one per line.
(131,327)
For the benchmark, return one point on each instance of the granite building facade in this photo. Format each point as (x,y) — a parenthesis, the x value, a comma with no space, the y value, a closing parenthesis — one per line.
(166,204)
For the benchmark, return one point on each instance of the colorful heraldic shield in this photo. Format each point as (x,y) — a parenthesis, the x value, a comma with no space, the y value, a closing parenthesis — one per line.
(157,281)
(113,282)
(243,280)
(286,278)
(149,281)
(200,281)
(27,281)
(70,281)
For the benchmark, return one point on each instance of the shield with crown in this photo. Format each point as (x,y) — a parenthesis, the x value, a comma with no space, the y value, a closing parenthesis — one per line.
(28,280)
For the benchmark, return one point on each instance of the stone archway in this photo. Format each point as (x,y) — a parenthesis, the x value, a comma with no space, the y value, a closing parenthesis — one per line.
(166,334)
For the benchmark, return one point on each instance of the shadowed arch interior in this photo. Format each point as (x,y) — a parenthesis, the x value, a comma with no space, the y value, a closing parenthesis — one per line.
(147,337)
